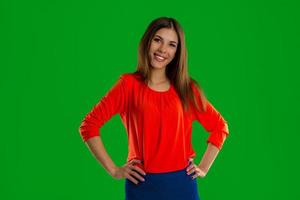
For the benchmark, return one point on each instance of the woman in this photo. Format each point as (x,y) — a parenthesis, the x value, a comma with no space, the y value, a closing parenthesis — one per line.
(157,104)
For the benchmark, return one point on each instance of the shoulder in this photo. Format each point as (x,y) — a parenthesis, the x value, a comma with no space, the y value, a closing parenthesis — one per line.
(128,80)
(130,77)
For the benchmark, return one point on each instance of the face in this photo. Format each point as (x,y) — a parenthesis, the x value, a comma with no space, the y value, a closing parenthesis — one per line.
(163,47)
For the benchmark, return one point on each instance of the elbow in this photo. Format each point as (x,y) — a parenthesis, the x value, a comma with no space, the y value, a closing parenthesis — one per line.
(87,131)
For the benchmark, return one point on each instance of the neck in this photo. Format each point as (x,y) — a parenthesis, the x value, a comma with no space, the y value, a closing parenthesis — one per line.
(158,76)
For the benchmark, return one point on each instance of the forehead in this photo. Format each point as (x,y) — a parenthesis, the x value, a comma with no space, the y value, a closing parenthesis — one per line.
(167,34)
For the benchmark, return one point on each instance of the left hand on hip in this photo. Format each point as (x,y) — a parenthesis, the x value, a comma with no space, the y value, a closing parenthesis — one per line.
(193,168)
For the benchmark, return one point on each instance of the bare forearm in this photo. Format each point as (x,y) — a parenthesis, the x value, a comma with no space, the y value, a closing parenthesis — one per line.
(208,157)
(98,150)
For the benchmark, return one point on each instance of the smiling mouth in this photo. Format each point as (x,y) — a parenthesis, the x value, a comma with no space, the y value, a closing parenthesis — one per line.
(159,58)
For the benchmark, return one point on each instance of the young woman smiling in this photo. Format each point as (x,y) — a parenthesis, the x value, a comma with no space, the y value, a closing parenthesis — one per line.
(157,104)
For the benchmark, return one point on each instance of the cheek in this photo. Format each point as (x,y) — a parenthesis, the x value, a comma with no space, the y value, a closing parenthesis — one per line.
(151,50)
(153,46)
(172,53)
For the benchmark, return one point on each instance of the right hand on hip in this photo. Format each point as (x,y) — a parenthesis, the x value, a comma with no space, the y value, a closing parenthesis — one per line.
(129,171)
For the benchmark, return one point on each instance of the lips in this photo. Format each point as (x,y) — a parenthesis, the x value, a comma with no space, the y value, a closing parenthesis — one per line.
(159,58)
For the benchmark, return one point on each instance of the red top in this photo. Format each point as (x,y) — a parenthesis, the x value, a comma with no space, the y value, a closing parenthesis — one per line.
(159,131)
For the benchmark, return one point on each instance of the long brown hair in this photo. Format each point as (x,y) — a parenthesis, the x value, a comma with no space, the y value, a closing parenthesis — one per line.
(177,69)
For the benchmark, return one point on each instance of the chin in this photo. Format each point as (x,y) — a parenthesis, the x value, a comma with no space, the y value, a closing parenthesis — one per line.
(158,65)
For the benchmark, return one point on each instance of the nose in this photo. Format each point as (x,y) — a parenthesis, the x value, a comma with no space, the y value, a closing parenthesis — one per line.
(162,48)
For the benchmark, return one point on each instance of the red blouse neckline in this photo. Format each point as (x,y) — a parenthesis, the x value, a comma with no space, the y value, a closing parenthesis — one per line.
(156,91)
(152,90)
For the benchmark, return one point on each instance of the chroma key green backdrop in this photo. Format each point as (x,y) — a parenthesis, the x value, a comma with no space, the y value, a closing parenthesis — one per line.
(58,58)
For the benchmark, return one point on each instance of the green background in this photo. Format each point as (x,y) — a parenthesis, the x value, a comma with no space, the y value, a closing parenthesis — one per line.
(58,58)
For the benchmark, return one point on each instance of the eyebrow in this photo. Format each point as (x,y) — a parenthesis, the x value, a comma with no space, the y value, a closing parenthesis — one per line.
(163,39)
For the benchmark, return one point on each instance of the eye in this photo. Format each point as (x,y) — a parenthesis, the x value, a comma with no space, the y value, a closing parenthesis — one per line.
(156,39)
(173,45)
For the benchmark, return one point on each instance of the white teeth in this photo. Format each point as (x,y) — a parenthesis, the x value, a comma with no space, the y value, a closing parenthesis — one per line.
(159,58)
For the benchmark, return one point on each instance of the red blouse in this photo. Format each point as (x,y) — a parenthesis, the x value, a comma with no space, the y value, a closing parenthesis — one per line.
(158,129)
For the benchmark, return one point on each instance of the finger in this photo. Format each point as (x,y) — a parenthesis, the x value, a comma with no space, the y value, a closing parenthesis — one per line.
(195,176)
(191,171)
(193,168)
(137,175)
(139,170)
(190,167)
(128,169)
(132,179)
(135,161)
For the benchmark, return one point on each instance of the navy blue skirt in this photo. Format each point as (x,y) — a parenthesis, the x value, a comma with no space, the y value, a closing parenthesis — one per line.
(175,185)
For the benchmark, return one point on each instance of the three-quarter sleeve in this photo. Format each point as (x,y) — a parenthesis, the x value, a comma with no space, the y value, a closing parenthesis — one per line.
(113,102)
(211,120)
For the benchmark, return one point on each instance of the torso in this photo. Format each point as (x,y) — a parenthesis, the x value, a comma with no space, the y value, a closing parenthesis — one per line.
(157,125)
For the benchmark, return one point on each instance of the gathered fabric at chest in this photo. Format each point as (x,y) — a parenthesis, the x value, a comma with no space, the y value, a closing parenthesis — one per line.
(159,126)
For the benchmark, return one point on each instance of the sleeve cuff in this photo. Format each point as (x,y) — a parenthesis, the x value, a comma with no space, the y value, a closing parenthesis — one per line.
(87,135)
(217,139)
